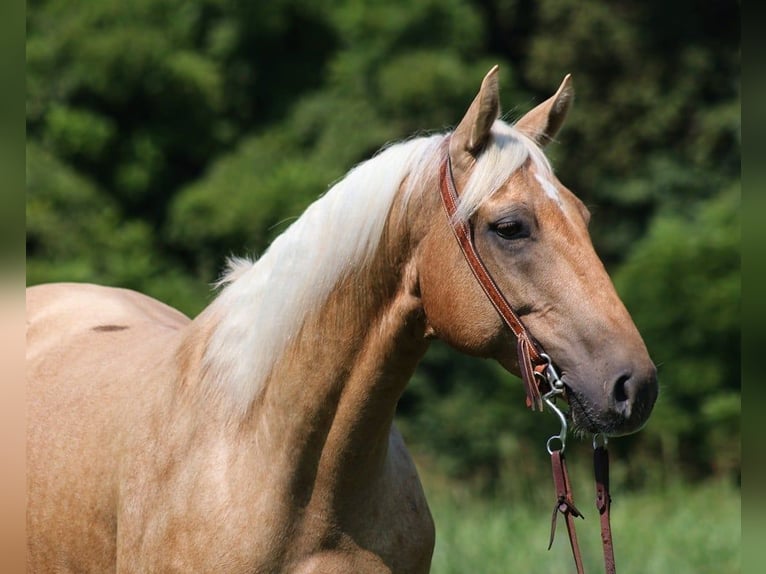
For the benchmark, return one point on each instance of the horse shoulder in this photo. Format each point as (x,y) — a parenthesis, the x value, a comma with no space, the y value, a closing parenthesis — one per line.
(393,519)
(405,501)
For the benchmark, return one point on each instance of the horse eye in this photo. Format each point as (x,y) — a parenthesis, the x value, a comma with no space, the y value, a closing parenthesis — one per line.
(510,230)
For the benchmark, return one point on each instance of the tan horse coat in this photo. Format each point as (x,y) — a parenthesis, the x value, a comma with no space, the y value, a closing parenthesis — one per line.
(134,465)
(132,478)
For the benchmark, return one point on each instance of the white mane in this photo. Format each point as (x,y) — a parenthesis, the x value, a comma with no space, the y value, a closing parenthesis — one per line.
(264,304)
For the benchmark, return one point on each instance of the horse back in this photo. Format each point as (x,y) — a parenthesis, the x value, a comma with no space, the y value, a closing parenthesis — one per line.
(96,357)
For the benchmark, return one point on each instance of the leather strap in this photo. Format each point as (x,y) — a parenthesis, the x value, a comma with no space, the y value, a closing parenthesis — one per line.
(565,505)
(529,357)
(603,504)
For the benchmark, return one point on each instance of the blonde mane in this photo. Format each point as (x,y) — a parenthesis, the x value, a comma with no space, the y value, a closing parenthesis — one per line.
(264,303)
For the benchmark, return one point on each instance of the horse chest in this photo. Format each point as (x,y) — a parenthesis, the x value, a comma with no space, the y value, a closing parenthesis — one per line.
(240,520)
(385,527)
(380,525)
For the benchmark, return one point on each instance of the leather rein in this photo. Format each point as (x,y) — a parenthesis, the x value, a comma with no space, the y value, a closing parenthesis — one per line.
(542,385)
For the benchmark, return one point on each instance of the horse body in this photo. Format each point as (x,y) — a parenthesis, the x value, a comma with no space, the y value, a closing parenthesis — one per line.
(259,436)
(132,477)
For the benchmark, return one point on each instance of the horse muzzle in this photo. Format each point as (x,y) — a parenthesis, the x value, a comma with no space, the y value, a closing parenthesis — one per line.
(623,409)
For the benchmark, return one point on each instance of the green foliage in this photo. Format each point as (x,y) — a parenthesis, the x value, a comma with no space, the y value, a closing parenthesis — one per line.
(682,283)
(167,134)
(243,201)
(77,133)
(124,93)
(651,89)
(77,233)
(72,225)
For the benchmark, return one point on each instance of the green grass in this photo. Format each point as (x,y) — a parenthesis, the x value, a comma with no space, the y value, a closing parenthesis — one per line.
(684,529)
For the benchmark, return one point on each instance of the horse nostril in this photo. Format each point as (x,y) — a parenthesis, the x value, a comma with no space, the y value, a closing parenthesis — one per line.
(623,393)
(634,395)
(620,391)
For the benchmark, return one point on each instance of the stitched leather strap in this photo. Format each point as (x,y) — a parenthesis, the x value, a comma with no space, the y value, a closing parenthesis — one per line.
(528,354)
(603,504)
(565,505)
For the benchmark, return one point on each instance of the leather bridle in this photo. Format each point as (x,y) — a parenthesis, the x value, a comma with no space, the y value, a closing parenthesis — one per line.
(531,359)
(541,382)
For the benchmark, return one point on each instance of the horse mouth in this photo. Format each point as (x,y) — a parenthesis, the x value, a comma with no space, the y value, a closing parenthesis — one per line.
(586,419)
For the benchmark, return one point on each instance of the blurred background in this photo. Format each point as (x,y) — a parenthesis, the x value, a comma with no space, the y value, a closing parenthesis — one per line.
(166,135)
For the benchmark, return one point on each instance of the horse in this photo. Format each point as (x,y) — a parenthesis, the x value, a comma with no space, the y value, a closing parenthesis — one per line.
(259,436)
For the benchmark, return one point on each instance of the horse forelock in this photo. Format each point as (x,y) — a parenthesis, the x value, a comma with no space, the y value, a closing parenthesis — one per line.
(264,303)
(507,150)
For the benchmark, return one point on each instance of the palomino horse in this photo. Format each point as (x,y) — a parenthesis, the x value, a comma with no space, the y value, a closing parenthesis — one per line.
(258,437)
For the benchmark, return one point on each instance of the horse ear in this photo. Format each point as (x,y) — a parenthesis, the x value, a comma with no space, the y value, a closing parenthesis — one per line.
(543,122)
(472,133)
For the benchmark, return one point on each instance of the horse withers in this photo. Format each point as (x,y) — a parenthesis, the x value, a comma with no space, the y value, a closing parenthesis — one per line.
(258,437)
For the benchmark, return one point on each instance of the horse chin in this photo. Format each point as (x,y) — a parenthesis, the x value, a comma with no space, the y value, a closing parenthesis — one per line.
(587,419)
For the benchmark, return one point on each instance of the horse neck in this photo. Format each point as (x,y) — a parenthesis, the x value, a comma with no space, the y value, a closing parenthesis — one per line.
(325,409)
(344,376)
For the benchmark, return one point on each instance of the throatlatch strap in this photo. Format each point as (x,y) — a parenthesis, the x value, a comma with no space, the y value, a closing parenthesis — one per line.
(565,505)
(528,354)
(603,504)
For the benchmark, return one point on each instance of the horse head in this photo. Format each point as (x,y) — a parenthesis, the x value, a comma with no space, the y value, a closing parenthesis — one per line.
(531,232)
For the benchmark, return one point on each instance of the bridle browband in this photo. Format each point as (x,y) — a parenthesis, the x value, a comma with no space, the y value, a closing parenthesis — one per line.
(541,382)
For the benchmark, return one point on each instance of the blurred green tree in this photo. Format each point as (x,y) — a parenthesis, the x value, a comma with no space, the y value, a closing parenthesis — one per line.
(165,135)
(682,283)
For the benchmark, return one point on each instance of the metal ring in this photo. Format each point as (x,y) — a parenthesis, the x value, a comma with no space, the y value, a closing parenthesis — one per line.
(551,439)
(604,440)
